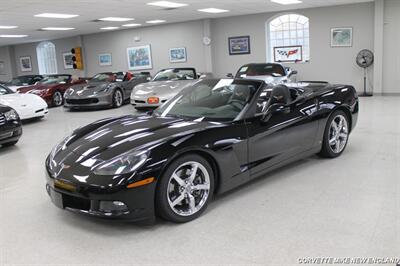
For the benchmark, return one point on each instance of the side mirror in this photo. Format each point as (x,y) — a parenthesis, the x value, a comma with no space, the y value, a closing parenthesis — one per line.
(293,72)
(148,78)
(229,75)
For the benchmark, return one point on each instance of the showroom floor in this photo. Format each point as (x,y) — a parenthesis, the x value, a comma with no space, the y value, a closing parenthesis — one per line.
(316,207)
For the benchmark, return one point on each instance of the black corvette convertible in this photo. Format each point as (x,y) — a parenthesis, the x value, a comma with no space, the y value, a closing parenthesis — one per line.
(213,136)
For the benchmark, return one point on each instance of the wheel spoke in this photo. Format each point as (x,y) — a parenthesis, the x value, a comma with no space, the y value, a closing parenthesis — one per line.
(337,146)
(192,203)
(332,141)
(178,200)
(343,135)
(178,179)
(193,173)
(204,186)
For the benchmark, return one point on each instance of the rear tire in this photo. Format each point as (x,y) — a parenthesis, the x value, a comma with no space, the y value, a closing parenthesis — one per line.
(57,99)
(336,135)
(117,98)
(185,189)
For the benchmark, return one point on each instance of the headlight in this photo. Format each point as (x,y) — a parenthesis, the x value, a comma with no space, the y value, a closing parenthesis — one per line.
(11,115)
(123,164)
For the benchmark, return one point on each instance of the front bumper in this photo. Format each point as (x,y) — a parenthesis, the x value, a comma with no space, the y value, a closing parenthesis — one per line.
(10,132)
(31,114)
(139,201)
(88,101)
(142,103)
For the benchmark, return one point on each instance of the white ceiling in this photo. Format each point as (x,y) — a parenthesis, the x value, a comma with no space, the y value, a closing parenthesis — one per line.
(20,13)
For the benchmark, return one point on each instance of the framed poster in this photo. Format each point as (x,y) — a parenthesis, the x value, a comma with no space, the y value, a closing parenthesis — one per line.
(68,62)
(342,37)
(25,63)
(105,60)
(288,54)
(177,55)
(239,45)
(139,57)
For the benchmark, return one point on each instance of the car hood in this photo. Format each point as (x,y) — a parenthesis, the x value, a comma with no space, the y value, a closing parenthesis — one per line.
(161,88)
(37,87)
(86,89)
(130,133)
(20,102)
(15,88)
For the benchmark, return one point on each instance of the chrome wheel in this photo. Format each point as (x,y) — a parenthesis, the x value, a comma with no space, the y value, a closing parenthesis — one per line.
(118,99)
(188,188)
(338,134)
(57,98)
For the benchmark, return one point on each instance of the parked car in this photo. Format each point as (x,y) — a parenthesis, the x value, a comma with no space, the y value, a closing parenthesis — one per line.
(52,88)
(10,126)
(273,73)
(28,106)
(210,138)
(165,85)
(110,89)
(22,81)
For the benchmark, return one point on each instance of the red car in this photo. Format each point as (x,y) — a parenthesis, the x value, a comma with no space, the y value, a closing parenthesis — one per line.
(52,87)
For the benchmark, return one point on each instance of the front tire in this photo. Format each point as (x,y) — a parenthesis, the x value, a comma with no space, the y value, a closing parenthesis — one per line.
(336,135)
(117,98)
(185,189)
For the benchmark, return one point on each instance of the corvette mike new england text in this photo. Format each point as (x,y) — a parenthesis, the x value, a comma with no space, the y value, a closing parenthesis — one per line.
(350,260)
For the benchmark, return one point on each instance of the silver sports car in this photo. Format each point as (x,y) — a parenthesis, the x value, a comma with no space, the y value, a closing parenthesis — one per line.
(271,73)
(165,85)
(110,89)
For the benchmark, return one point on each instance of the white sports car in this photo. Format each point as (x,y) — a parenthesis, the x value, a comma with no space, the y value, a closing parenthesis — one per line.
(28,106)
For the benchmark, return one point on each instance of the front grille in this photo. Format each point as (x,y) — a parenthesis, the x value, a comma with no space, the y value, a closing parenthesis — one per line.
(82,101)
(40,110)
(75,202)
(138,101)
(2,120)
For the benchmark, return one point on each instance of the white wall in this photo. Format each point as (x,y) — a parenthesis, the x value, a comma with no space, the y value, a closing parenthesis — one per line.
(29,49)
(5,57)
(161,38)
(391,54)
(336,65)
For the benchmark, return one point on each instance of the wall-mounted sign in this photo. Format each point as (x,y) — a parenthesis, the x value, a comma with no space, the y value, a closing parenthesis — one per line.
(288,53)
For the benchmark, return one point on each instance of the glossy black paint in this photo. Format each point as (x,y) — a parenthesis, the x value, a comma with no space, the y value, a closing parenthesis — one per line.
(10,131)
(238,151)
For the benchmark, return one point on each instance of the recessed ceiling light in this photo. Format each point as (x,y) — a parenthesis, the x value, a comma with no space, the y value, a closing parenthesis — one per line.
(287,2)
(167,4)
(57,28)
(109,28)
(117,19)
(132,25)
(213,10)
(55,15)
(8,27)
(13,36)
(155,21)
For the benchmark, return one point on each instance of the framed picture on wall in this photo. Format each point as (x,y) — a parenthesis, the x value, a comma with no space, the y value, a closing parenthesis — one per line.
(105,60)
(239,45)
(177,55)
(342,37)
(68,62)
(25,63)
(139,57)
(288,53)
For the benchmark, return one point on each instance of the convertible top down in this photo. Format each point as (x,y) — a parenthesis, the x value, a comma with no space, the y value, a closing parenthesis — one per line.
(211,137)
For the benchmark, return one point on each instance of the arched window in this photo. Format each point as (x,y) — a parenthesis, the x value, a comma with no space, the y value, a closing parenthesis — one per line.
(46,55)
(289,30)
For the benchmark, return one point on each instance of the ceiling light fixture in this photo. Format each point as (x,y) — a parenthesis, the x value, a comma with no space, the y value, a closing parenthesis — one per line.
(57,28)
(13,36)
(156,21)
(55,15)
(116,19)
(8,27)
(167,4)
(287,2)
(213,10)
(109,28)
(132,25)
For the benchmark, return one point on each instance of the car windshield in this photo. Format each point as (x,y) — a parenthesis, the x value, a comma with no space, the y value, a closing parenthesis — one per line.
(273,70)
(5,90)
(108,77)
(175,74)
(59,79)
(21,81)
(213,99)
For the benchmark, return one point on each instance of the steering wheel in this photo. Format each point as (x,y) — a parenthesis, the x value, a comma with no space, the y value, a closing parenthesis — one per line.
(237,104)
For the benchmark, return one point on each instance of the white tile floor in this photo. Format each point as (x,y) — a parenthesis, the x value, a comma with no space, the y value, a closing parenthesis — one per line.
(349,206)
